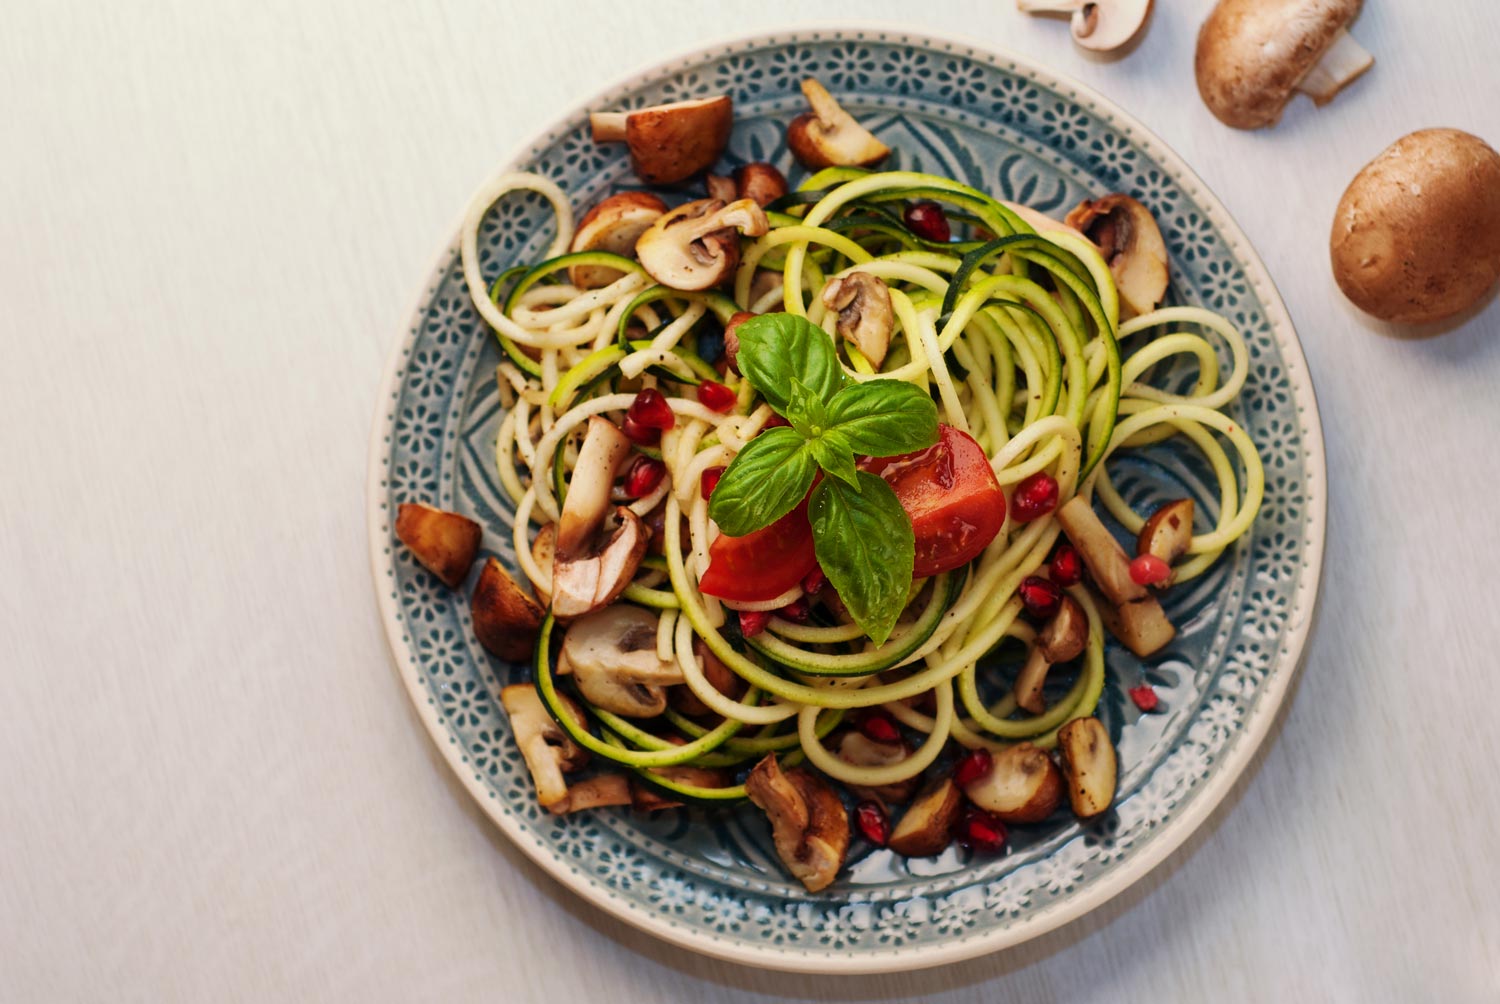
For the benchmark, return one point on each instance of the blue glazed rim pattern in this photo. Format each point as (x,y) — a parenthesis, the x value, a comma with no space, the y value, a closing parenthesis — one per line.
(1011,128)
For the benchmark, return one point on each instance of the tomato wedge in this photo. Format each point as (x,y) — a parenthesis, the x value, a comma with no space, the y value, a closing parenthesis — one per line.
(763,564)
(949,491)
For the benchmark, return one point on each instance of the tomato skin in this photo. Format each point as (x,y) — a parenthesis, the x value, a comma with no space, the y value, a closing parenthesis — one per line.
(762,564)
(949,491)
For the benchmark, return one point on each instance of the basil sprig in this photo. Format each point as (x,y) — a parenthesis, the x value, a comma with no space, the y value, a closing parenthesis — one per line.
(862,536)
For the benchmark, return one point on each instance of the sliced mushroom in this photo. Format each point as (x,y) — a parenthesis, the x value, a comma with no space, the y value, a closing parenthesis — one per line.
(723,679)
(672,142)
(1168,533)
(590,568)
(828,136)
(594,793)
(1062,638)
(757,181)
(549,752)
(1097,25)
(732,340)
(809,824)
(543,550)
(926,828)
(865,316)
(1088,759)
(1132,614)
(854,747)
(613,225)
(1254,54)
(612,655)
(506,619)
(697,245)
(646,797)
(444,542)
(1023,786)
(1131,242)
(1140,625)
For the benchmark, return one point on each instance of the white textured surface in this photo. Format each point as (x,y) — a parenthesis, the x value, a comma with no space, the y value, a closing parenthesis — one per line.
(212,218)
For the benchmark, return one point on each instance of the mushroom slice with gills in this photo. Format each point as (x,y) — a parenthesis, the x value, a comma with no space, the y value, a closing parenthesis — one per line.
(594,793)
(672,142)
(1131,242)
(1253,55)
(506,619)
(1130,612)
(1097,25)
(611,653)
(865,317)
(828,136)
(697,245)
(1061,639)
(590,568)
(1167,533)
(613,225)
(444,542)
(809,824)
(1089,764)
(549,752)
(1023,785)
(854,747)
(926,828)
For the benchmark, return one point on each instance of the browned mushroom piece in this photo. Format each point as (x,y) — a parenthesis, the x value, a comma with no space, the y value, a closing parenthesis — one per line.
(854,747)
(1097,25)
(719,676)
(1131,242)
(549,752)
(613,225)
(697,245)
(611,653)
(543,551)
(757,181)
(1089,764)
(1253,55)
(1023,785)
(591,564)
(646,797)
(444,542)
(1130,612)
(1167,533)
(595,792)
(809,824)
(828,136)
(506,619)
(672,142)
(926,827)
(732,340)
(865,316)
(1061,639)
(720,187)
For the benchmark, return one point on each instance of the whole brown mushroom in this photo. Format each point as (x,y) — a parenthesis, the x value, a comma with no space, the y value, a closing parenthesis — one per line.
(1416,237)
(672,142)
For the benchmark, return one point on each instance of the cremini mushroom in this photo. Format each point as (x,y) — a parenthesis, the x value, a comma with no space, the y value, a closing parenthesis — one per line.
(1130,612)
(1022,786)
(697,245)
(865,317)
(732,340)
(757,181)
(1416,237)
(854,747)
(543,551)
(611,653)
(1254,54)
(548,750)
(1167,533)
(590,567)
(828,136)
(809,824)
(1061,639)
(506,619)
(672,142)
(1097,25)
(1131,242)
(613,225)
(1088,759)
(926,827)
(444,542)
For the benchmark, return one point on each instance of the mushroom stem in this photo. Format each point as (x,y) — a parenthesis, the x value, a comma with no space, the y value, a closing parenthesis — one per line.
(608,127)
(1344,60)
(1050,6)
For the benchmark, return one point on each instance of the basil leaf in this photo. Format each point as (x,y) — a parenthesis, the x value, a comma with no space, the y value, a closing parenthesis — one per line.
(881,418)
(776,349)
(832,452)
(806,413)
(865,546)
(764,482)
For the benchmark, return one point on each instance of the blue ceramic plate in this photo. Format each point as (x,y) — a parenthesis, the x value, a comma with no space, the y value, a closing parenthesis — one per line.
(712,883)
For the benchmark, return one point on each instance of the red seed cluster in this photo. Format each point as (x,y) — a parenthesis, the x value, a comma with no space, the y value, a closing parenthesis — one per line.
(1041,597)
(642,476)
(716,397)
(980,831)
(648,417)
(975,766)
(878,726)
(1148,570)
(753,622)
(1144,697)
(874,825)
(1034,497)
(1066,567)
(928,221)
(710,480)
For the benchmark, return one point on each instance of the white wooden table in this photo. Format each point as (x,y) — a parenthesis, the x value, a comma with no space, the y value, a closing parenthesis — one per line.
(212,216)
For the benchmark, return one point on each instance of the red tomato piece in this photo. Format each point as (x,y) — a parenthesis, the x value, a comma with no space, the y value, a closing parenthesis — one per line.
(762,564)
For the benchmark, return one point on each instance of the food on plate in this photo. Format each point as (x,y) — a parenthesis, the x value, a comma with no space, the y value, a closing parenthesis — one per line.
(669,143)
(806,495)
(613,226)
(1416,237)
(1098,25)
(444,542)
(1253,55)
(1128,237)
(828,136)
(506,618)
(757,181)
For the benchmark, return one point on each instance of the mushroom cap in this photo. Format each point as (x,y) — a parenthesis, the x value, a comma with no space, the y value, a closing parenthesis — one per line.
(612,656)
(1253,53)
(809,823)
(1416,237)
(829,136)
(613,225)
(1108,24)
(1127,235)
(696,246)
(671,143)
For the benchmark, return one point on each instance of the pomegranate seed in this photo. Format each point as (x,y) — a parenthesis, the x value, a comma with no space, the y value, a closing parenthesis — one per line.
(651,410)
(874,825)
(640,435)
(878,726)
(710,480)
(1066,568)
(975,765)
(775,422)
(1041,597)
(1148,570)
(1144,697)
(716,397)
(753,622)
(642,476)
(795,611)
(928,221)
(980,832)
(814,582)
(1035,497)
